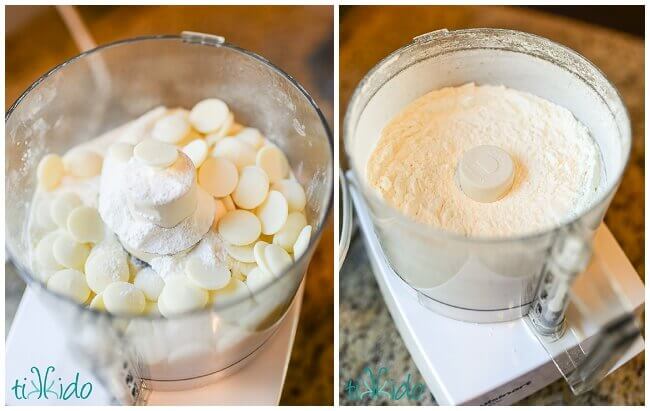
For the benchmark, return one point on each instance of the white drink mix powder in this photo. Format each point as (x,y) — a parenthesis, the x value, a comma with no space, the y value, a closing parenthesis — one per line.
(557,163)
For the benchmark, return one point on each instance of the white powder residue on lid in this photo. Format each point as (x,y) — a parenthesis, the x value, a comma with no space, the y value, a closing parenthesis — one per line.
(160,186)
(557,163)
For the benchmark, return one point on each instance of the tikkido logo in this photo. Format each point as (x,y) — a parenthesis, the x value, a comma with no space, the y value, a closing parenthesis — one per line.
(45,385)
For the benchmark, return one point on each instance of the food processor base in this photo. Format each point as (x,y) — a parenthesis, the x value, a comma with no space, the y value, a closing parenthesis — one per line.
(263,372)
(498,363)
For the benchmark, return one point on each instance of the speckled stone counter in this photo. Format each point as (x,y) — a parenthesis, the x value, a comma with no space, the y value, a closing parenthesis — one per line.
(368,336)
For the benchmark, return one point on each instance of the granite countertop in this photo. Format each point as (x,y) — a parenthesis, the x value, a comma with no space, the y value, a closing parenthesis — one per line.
(269,31)
(367,335)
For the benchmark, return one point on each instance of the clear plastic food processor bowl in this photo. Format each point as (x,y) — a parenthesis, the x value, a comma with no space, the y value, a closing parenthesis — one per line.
(481,279)
(111,85)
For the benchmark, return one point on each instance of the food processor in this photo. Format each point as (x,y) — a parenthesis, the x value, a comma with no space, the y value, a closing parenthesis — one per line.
(551,297)
(134,358)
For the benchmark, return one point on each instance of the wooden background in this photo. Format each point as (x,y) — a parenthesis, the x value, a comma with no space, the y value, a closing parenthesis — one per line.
(298,39)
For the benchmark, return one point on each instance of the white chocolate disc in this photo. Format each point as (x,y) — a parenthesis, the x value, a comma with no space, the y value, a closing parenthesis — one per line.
(252,137)
(289,233)
(81,162)
(273,161)
(70,253)
(155,153)
(106,264)
(123,298)
(302,242)
(85,225)
(206,274)
(234,291)
(209,115)
(257,279)
(218,176)
(240,153)
(273,213)
(260,257)
(240,227)
(172,128)
(62,206)
(277,259)
(97,303)
(149,282)
(120,151)
(197,151)
(243,253)
(44,252)
(181,295)
(70,283)
(252,188)
(50,171)
(293,192)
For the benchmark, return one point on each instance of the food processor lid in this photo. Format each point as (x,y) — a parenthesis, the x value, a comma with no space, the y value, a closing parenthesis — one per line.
(346,217)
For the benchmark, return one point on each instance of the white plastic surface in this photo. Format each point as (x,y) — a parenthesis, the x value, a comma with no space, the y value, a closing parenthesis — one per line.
(485,173)
(508,364)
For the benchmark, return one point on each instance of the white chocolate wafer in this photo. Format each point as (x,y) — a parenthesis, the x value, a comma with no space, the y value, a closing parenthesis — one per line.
(289,233)
(62,206)
(273,213)
(252,188)
(50,171)
(181,295)
(240,227)
(70,283)
(172,128)
(273,161)
(81,162)
(277,259)
(293,192)
(301,244)
(123,298)
(70,253)
(209,115)
(238,152)
(85,225)
(197,151)
(218,176)
(155,153)
(149,282)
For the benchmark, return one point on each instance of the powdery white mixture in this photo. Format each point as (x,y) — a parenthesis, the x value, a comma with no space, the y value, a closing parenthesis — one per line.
(211,250)
(557,163)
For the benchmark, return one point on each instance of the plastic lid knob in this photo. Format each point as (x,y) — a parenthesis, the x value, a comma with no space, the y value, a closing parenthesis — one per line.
(485,173)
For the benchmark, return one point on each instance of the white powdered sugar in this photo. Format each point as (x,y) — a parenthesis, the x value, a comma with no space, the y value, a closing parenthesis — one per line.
(557,163)
(140,234)
(160,186)
(211,250)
